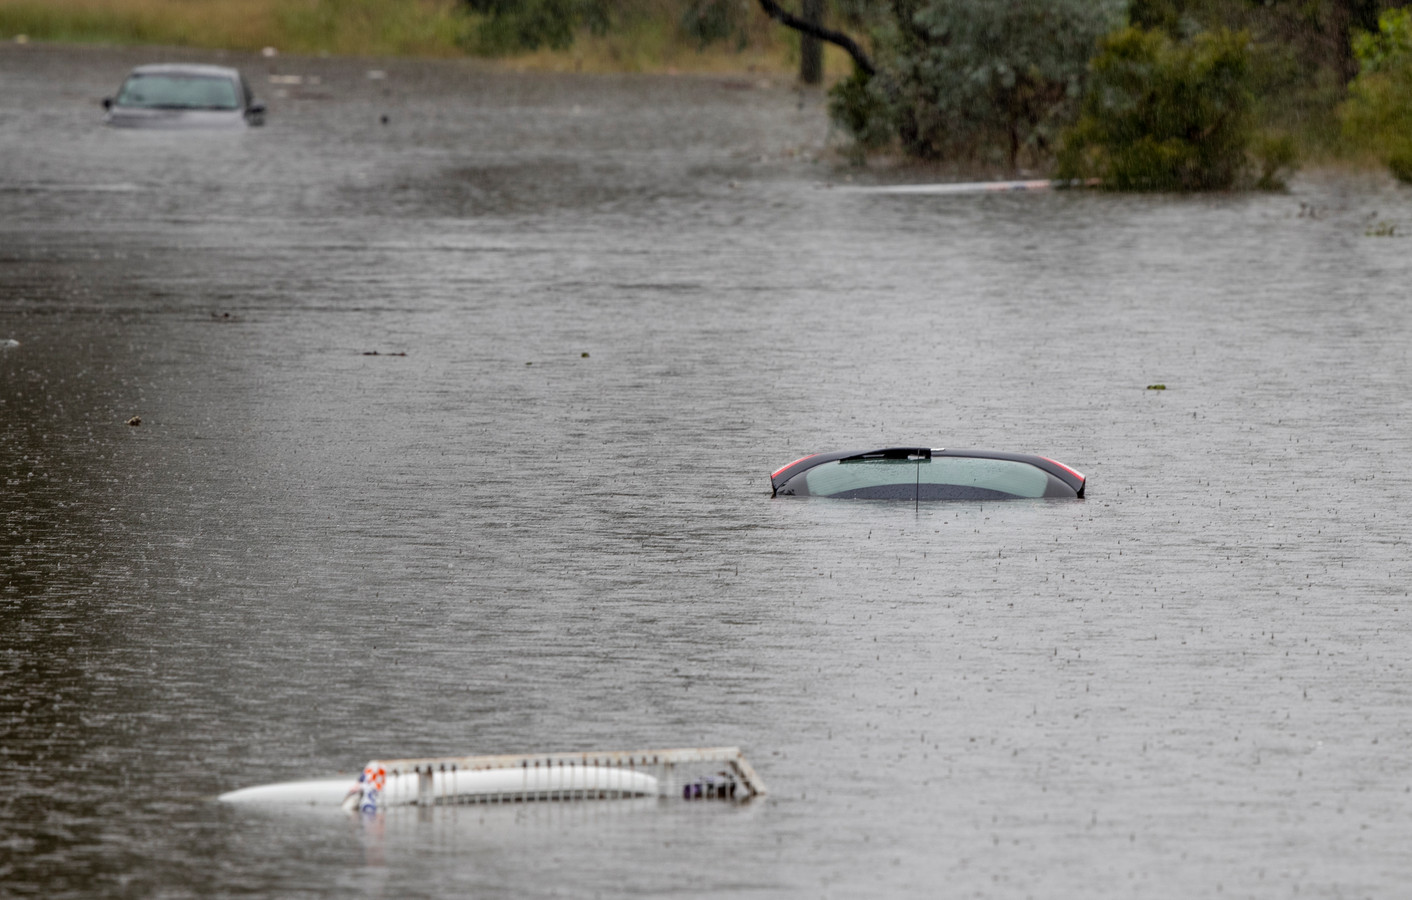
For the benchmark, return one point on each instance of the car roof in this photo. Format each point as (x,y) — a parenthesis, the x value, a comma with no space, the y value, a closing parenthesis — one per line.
(186,69)
(1072,478)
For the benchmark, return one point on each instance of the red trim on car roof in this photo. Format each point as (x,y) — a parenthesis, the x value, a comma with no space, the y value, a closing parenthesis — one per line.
(776,473)
(1075,472)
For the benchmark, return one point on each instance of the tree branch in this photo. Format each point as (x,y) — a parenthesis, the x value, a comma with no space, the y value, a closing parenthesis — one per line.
(837,38)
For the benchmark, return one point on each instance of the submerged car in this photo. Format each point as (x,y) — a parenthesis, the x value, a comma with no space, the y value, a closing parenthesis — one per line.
(924,473)
(171,95)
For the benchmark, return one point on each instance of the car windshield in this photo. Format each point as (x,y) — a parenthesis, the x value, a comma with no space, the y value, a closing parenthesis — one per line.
(168,91)
(937,478)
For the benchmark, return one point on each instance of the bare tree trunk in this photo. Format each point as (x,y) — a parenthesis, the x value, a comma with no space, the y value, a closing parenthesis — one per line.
(860,59)
(811,49)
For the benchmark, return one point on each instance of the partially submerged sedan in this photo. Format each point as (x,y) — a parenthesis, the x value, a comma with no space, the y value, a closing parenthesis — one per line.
(171,95)
(924,473)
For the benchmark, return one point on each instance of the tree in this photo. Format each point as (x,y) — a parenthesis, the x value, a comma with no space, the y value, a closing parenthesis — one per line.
(812,28)
(1378,113)
(977,78)
(1165,115)
(515,25)
(811,49)
(1322,29)
(1317,33)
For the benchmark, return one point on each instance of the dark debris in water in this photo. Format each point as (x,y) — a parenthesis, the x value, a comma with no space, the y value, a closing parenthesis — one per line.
(377,353)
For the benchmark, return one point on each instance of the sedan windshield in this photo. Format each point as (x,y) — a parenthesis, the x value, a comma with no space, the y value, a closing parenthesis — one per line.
(179,92)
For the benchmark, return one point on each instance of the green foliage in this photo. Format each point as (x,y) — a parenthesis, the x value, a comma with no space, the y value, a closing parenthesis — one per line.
(515,26)
(54,22)
(713,21)
(872,17)
(368,26)
(1275,156)
(1389,48)
(1377,117)
(1400,162)
(1166,115)
(1315,32)
(1169,16)
(853,106)
(987,75)
(511,26)
(1301,54)
(977,78)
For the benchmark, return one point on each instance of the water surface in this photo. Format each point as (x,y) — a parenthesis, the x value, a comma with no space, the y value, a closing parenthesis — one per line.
(622,303)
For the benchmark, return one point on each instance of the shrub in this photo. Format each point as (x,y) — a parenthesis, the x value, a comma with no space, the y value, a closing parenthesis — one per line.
(1377,116)
(976,78)
(711,21)
(1400,162)
(512,26)
(855,105)
(1275,156)
(1165,115)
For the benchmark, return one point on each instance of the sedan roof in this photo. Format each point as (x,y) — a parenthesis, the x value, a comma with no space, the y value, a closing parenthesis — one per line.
(1074,479)
(186,69)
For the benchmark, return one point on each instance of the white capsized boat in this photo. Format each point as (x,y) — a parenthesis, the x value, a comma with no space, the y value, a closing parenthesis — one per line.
(695,773)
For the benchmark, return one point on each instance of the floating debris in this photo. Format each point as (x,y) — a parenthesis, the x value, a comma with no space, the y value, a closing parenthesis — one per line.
(583,355)
(1381,229)
(11,344)
(135,421)
(1156,387)
(376,353)
(224,317)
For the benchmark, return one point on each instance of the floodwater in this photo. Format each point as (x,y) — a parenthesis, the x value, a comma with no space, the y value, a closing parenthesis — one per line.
(623,301)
